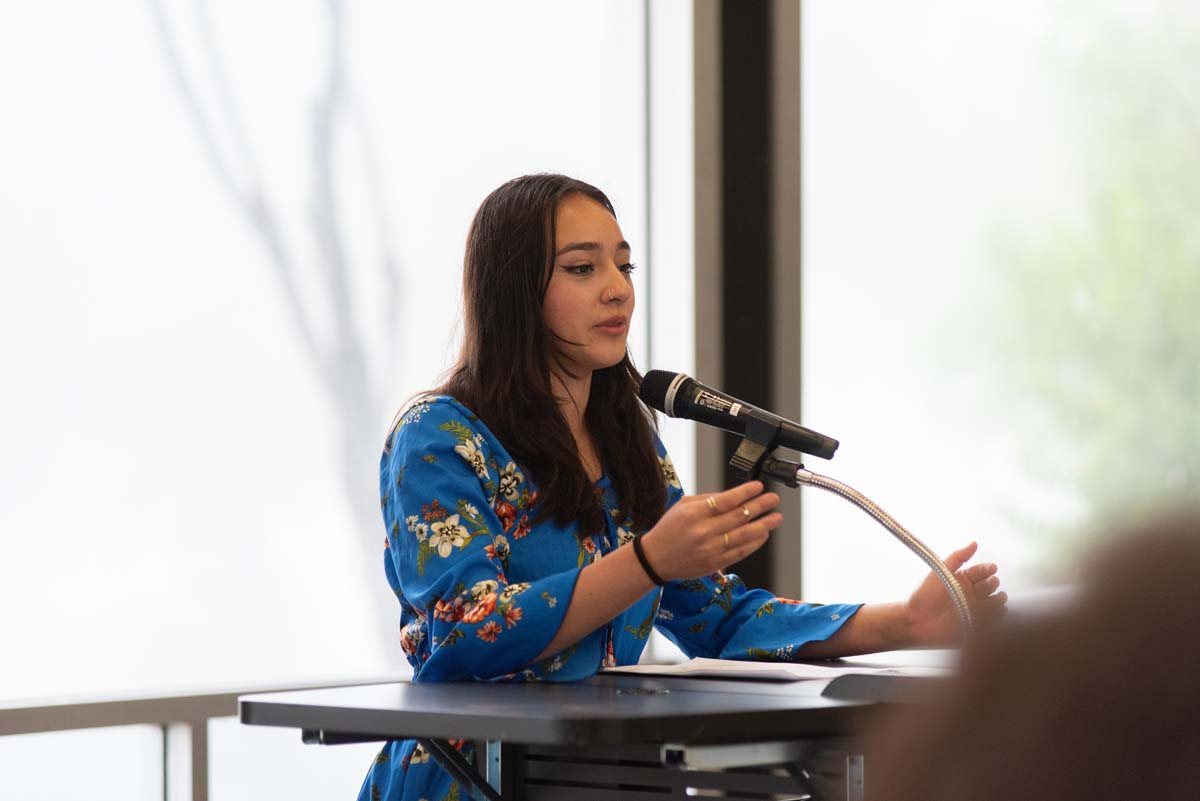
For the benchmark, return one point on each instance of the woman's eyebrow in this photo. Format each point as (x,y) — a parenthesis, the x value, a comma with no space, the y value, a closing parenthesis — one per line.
(622,245)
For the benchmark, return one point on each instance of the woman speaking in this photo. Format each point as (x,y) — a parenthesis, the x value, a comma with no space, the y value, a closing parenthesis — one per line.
(536,530)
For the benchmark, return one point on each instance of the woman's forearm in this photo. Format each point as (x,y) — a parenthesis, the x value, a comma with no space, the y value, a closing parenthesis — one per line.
(605,589)
(873,628)
(608,587)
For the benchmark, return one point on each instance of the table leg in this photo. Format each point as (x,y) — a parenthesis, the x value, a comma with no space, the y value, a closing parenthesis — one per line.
(499,767)
(855,791)
(451,761)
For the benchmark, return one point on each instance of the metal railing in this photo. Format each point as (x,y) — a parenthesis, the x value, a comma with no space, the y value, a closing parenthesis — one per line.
(183,717)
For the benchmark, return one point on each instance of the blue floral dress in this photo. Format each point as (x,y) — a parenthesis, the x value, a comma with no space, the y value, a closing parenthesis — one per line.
(483,590)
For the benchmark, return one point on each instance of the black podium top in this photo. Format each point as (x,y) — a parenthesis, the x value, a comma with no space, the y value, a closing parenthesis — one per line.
(609,709)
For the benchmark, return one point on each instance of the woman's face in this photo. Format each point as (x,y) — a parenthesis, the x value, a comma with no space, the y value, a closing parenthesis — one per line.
(589,301)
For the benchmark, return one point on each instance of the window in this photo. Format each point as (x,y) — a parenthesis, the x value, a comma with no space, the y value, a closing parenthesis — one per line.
(999,278)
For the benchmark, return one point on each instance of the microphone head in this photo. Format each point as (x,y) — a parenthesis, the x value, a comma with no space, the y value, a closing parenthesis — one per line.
(659,389)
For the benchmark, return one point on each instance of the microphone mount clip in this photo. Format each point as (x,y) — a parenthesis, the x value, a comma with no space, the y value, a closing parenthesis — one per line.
(762,437)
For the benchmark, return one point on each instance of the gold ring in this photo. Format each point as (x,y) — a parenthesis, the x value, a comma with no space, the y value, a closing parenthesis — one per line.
(746,512)
(725,534)
(712,505)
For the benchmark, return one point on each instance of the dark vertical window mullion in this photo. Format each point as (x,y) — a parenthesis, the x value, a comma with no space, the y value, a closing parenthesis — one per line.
(746,90)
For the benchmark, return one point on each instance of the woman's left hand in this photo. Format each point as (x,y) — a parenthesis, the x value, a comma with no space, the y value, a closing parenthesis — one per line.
(932,619)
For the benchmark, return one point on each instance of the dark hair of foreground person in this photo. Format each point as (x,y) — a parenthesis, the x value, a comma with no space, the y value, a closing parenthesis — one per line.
(1100,701)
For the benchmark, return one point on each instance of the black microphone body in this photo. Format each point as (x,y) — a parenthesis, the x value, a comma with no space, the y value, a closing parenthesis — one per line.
(679,395)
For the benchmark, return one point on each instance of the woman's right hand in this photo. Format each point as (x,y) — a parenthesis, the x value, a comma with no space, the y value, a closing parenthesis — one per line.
(701,534)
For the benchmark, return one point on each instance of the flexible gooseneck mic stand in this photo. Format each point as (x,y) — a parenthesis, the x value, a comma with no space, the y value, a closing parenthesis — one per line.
(753,460)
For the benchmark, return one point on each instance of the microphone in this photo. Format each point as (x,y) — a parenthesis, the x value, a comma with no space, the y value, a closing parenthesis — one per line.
(679,395)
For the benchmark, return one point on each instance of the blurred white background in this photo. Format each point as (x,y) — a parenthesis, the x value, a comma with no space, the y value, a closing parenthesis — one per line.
(1000,279)
(232,242)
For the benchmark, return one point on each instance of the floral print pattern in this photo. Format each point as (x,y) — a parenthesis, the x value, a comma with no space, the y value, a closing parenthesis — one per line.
(668,471)
(482,588)
(510,482)
(473,456)
(448,535)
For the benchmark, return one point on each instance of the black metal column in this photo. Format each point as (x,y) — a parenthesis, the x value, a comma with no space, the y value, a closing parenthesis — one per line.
(746,157)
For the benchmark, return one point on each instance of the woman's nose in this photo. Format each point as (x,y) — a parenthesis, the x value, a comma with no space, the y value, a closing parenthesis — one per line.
(617,288)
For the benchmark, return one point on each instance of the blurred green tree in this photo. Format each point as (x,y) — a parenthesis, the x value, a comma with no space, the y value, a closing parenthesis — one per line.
(1096,316)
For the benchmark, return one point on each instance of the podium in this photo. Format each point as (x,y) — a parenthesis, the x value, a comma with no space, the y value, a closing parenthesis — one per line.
(615,736)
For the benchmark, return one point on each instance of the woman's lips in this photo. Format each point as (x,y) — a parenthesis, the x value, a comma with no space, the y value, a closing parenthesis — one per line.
(615,325)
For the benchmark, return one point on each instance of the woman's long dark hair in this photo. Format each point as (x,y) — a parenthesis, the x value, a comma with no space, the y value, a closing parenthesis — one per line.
(503,371)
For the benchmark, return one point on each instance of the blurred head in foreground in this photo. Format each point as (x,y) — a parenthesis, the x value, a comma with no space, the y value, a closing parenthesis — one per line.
(1100,701)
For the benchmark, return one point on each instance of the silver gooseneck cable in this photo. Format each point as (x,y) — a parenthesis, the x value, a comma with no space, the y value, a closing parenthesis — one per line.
(947,577)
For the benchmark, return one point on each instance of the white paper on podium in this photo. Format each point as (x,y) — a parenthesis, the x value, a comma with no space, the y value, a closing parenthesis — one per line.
(774,671)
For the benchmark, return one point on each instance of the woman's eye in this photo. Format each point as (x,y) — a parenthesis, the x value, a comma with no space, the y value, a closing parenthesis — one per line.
(627,268)
(578,269)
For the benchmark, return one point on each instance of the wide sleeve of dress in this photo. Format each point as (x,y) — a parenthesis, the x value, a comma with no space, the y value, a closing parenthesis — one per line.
(718,617)
(441,484)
